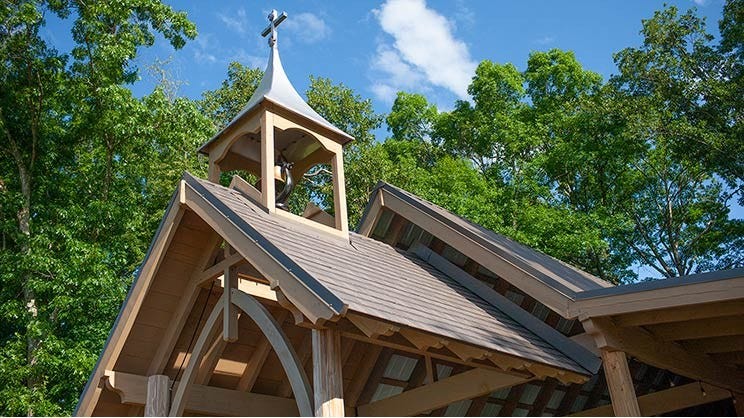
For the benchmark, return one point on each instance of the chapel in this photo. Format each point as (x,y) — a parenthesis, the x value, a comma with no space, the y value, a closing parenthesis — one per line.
(243,308)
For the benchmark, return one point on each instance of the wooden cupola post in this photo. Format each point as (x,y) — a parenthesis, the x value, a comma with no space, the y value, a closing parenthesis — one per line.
(278,137)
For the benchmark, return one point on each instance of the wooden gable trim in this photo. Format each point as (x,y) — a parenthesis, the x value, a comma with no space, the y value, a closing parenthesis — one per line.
(486,257)
(128,313)
(679,295)
(560,342)
(303,290)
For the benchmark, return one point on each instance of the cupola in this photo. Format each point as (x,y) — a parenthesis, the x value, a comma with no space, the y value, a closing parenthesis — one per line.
(278,137)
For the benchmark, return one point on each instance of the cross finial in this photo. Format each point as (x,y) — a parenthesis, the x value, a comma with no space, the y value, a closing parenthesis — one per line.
(274,20)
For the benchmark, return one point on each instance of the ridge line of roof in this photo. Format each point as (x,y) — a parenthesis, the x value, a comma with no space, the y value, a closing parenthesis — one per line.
(562,289)
(712,276)
(310,282)
(574,351)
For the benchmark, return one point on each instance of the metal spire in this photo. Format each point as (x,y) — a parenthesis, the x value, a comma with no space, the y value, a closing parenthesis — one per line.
(274,20)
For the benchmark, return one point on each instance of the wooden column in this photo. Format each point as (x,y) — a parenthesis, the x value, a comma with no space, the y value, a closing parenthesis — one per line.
(268,195)
(327,378)
(230,317)
(158,396)
(620,383)
(339,192)
(214,172)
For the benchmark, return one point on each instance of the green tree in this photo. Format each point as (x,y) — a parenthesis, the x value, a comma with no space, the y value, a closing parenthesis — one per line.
(223,104)
(676,94)
(75,182)
(411,118)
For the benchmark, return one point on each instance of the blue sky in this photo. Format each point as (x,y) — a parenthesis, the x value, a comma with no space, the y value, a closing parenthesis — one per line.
(429,47)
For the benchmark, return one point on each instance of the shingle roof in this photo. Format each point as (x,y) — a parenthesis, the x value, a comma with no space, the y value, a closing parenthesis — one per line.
(373,278)
(560,276)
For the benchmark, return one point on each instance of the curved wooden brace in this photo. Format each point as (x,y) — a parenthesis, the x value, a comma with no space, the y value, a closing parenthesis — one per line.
(213,324)
(282,347)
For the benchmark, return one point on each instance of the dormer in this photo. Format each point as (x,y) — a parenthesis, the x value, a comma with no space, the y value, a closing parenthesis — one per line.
(278,137)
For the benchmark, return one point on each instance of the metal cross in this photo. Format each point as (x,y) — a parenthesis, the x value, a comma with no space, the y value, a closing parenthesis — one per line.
(274,20)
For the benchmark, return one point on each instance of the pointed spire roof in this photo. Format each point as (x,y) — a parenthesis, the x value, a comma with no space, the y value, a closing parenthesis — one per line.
(276,88)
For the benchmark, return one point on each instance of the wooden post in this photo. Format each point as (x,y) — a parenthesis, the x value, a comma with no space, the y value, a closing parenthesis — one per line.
(214,172)
(339,192)
(268,195)
(620,383)
(230,317)
(327,379)
(158,396)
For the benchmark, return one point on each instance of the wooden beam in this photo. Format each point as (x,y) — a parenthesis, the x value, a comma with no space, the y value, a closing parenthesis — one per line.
(211,328)
(620,384)
(158,396)
(362,375)
(715,344)
(669,400)
(211,273)
(423,341)
(682,313)
(210,360)
(181,314)
(268,195)
(663,354)
(230,316)
(327,377)
(260,353)
(511,401)
(339,193)
(394,230)
(373,215)
(466,385)
(541,401)
(435,355)
(370,386)
(699,328)
(207,400)
(371,327)
(716,291)
(282,347)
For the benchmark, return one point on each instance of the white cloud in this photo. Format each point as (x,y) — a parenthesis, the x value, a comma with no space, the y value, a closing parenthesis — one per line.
(423,50)
(545,40)
(236,22)
(308,27)
(700,2)
(204,49)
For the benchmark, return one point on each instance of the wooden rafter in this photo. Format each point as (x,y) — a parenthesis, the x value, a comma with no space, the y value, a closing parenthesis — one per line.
(683,313)
(362,375)
(669,400)
(663,354)
(466,385)
(253,367)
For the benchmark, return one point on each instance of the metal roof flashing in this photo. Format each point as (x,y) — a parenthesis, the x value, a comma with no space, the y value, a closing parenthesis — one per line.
(276,87)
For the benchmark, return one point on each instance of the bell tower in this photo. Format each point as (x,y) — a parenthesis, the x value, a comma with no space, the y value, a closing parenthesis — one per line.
(278,137)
